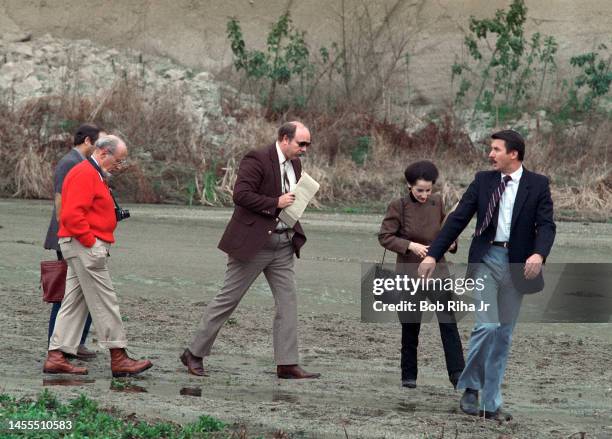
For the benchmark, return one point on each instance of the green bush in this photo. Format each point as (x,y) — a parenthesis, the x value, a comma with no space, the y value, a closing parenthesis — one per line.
(595,75)
(89,420)
(506,74)
(361,150)
(286,57)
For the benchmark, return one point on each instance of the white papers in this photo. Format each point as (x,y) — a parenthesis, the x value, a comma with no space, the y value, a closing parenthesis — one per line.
(304,191)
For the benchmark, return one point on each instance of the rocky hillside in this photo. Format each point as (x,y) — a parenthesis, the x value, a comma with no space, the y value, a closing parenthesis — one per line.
(193,32)
(32,67)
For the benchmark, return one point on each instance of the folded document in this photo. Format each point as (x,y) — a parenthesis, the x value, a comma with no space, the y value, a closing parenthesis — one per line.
(304,191)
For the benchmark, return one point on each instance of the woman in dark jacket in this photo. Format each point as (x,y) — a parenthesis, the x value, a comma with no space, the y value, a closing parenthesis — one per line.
(409,235)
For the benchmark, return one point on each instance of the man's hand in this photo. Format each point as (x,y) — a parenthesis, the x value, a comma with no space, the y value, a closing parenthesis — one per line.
(418,249)
(453,247)
(533,266)
(286,200)
(427,267)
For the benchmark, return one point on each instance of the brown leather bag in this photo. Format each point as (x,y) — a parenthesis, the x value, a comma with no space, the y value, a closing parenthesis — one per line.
(53,280)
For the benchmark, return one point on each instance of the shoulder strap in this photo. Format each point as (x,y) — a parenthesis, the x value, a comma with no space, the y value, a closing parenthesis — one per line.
(403,206)
(398,233)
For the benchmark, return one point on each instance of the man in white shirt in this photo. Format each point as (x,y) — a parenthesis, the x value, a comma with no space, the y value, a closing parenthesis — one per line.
(514,234)
(257,241)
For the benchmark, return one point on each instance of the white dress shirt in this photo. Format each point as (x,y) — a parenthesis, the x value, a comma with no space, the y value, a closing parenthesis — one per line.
(285,166)
(506,204)
(288,166)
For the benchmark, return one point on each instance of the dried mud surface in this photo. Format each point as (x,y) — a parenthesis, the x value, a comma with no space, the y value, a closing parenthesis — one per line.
(166,268)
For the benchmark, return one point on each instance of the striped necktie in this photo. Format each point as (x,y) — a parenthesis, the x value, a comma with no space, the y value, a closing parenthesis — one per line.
(286,184)
(493,202)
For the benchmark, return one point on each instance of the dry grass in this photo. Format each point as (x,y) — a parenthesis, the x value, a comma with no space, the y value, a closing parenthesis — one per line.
(591,199)
(173,160)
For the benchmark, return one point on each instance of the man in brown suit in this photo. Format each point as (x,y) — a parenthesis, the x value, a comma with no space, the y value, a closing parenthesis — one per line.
(257,241)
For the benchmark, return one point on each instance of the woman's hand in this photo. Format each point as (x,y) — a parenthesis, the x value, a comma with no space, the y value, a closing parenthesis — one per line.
(453,247)
(418,249)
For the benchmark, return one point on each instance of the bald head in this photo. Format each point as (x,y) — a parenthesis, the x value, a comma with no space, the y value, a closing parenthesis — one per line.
(293,139)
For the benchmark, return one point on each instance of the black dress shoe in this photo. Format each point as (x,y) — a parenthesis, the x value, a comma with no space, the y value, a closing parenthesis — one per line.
(410,383)
(469,402)
(454,378)
(499,415)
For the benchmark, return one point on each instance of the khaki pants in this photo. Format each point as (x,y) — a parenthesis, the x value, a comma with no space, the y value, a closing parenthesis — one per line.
(88,289)
(275,260)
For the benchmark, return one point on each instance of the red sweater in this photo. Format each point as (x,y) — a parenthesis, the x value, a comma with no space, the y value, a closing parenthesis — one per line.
(88,210)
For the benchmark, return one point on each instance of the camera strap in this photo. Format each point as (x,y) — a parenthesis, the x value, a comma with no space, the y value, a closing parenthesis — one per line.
(97,168)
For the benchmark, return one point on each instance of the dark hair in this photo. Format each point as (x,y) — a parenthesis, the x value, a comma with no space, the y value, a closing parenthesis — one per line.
(422,170)
(86,130)
(287,129)
(513,140)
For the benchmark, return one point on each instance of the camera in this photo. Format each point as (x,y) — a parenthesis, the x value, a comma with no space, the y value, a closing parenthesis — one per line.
(121,214)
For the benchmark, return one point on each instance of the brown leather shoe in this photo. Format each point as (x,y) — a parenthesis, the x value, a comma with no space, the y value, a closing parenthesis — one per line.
(195,365)
(124,366)
(294,372)
(57,363)
(83,354)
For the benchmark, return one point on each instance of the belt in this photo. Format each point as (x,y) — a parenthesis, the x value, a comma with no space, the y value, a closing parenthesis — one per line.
(503,244)
(281,231)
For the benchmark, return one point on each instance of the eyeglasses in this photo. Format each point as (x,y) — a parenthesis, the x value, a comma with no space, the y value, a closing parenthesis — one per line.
(121,162)
(303,144)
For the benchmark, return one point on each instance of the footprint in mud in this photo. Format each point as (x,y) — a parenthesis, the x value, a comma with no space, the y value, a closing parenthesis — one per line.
(126,386)
(191,391)
(67,381)
(406,407)
(412,407)
(284,397)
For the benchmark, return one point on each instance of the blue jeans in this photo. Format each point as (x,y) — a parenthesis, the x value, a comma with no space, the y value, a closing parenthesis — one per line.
(491,337)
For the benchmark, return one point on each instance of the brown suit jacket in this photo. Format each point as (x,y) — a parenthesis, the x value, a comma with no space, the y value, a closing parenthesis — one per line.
(255,196)
(421,223)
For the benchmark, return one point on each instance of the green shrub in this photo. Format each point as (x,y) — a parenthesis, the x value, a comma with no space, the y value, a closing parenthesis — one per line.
(361,150)
(88,420)
(506,73)
(286,57)
(595,75)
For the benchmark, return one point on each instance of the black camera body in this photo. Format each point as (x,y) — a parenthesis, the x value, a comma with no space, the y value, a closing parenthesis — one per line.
(121,214)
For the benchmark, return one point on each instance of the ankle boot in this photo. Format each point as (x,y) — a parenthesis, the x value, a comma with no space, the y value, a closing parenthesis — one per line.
(124,366)
(57,363)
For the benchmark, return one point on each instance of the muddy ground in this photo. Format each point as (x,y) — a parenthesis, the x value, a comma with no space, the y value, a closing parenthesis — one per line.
(166,267)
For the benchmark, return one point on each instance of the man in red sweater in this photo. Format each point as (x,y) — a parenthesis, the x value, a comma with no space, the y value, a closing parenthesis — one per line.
(87,223)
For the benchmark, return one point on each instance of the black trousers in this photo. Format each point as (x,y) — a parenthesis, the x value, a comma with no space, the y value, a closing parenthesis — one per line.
(451,342)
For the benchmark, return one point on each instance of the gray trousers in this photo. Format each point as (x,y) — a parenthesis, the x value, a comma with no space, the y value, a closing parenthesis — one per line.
(89,289)
(275,260)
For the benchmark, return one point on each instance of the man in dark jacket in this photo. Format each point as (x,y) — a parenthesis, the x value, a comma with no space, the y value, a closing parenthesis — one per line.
(257,241)
(514,234)
(84,145)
